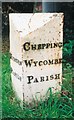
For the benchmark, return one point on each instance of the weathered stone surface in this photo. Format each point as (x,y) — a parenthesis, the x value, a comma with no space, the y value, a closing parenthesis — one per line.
(36,42)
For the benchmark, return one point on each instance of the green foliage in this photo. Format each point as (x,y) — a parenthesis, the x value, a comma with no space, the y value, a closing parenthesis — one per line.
(67,51)
(68,48)
(56,106)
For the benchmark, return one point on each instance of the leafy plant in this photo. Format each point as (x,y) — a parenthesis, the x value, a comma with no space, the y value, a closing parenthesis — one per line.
(67,51)
(58,105)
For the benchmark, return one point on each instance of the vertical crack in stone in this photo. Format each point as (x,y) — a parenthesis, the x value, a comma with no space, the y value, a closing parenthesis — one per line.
(22,76)
(30,21)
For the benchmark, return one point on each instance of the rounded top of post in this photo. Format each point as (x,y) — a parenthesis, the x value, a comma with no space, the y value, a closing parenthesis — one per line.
(28,22)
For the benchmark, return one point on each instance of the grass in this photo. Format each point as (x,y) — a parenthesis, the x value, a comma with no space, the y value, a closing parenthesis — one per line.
(57,106)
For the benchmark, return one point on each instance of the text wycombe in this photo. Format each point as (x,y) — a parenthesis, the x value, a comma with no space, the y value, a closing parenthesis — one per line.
(34,63)
(28,46)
